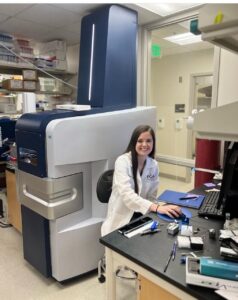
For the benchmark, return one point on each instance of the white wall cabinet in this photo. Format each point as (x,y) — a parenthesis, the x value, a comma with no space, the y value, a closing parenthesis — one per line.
(225,79)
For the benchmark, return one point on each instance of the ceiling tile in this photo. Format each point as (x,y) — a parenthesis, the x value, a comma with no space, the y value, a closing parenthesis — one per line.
(49,15)
(75,28)
(13,9)
(3,17)
(24,28)
(82,8)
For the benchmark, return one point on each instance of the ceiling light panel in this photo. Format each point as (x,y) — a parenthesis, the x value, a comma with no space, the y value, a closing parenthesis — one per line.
(184,38)
(166,9)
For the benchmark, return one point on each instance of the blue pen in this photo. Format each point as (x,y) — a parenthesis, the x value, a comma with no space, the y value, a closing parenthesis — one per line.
(171,255)
(154,225)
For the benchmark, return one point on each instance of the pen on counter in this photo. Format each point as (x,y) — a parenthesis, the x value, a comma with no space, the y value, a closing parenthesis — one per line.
(168,261)
(171,255)
(154,225)
(150,231)
(188,198)
(174,250)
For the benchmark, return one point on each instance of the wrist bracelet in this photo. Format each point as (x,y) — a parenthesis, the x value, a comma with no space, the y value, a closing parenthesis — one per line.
(157,208)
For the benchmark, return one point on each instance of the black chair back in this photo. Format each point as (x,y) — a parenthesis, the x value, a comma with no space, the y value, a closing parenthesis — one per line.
(104,186)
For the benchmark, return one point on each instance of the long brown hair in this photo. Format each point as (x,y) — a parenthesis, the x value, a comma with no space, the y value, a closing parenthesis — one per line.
(132,148)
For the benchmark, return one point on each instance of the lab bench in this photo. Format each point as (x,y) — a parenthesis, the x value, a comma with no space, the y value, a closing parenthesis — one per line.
(147,255)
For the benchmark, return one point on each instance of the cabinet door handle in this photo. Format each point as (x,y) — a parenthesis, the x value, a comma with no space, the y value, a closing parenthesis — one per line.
(46,203)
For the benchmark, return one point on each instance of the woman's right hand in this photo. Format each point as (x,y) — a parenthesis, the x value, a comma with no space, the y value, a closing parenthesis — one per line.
(172,211)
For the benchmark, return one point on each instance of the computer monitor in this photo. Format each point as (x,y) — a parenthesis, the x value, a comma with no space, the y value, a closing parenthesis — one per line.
(228,197)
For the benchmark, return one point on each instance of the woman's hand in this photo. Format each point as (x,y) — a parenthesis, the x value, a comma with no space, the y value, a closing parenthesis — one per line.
(172,211)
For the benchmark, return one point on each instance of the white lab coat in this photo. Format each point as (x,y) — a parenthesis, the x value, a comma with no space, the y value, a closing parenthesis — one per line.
(124,201)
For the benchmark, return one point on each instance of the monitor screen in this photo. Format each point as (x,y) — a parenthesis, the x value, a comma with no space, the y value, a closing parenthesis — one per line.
(228,197)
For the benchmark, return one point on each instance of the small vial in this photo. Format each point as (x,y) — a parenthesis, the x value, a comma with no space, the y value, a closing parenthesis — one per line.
(227,223)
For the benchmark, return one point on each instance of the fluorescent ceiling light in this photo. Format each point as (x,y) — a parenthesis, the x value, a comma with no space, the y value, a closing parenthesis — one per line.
(166,9)
(184,38)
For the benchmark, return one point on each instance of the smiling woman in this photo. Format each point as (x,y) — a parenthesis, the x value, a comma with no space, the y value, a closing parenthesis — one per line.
(135,182)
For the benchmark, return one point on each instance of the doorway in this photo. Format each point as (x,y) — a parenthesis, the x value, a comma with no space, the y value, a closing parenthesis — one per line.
(200,99)
(172,73)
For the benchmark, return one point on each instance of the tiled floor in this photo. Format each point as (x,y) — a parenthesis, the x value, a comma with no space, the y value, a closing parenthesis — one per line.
(18,280)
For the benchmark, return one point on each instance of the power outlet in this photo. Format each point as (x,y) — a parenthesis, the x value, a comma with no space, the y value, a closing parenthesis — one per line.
(161,123)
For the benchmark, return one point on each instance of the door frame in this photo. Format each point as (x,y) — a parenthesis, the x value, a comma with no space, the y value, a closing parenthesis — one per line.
(191,105)
(190,108)
(144,64)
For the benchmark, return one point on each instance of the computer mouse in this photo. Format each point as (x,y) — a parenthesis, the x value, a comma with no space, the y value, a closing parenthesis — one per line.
(182,217)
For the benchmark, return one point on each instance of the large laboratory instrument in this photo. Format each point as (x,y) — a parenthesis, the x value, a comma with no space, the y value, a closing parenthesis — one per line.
(62,153)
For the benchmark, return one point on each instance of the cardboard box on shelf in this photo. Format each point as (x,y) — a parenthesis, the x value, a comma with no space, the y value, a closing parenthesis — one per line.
(43,63)
(60,64)
(54,54)
(12,84)
(62,88)
(46,84)
(29,75)
(29,85)
(22,42)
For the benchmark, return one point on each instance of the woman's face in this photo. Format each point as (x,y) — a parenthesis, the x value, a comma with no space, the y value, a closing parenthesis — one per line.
(144,144)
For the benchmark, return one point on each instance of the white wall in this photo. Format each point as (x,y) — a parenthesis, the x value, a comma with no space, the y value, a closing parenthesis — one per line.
(166,91)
